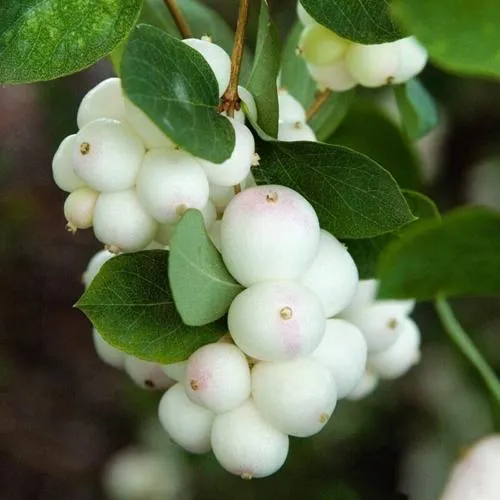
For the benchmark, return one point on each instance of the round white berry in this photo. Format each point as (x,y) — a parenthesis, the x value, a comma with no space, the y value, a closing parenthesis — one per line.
(293,132)
(413,58)
(79,208)
(121,222)
(400,356)
(333,276)
(304,17)
(146,374)
(343,351)
(334,77)
(475,476)
(290,109)
(187,423)
(105,100)
(297,397)
(276,320)
(218,377)
(237,167)
(107,155)
(373,65)
(176,371)
(62,166)
(94,266)
(150,134)
(380,323)
(107,353)
(320,46)
(269,232)
(216,58)
(365,387)
(171,181)
(247,445)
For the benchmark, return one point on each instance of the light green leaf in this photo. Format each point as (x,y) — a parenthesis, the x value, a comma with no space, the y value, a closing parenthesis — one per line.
(461,37)
(457,256)
(201,285)
(296,79)
(368,130)
(176,88)
(47,39)
(353,196)
(363,21)
(131,306)
(417,108)
(262,79)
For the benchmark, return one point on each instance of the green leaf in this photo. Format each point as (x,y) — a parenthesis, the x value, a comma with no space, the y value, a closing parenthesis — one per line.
(417,108)
(353,196)
(457,256)
(363,21)
(262,79)
(47,39)
(296,79)
(460,36)
(368,130)
(131,306)
(176,88)
(366,252)
(201,285)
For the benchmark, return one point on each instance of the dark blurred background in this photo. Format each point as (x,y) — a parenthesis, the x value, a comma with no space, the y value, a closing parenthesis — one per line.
(64,413)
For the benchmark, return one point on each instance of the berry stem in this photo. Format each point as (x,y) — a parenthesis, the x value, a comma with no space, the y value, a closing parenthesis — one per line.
(230,100)
(321,98)
(179,19)
(465,344)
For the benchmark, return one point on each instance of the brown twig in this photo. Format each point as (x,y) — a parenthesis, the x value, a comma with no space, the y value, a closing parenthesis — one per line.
(230,100)
(179,19)
(321,98)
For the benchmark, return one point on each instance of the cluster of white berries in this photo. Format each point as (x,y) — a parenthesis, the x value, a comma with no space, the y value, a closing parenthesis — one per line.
(300,335)
(339,64)
(127,179)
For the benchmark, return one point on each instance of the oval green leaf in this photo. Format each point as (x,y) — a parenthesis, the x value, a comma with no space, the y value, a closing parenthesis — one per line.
(201,285)
(353,196)
(457,256)
(46,39)
(130,304)
(461,37)
(176,88)
(362,21)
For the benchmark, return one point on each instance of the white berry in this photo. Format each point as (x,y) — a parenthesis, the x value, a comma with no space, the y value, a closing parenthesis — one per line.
(276,320)
(176,371)
(400,356)
(187,423)
(333,276)
(269,232)
(144,127)
(146,374)
(105,100)
(293,132)
(335,76)
(107,155)
(217,59)
(373,65)
(343,351)
(62,166)
(79,208)
(237,167)
(218,377)
(171,181)
(297,397)
(107,353)
(320,46)
(121,222)
(94,266)
(365,386)
(413,58)
(247,445)
(290,109)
